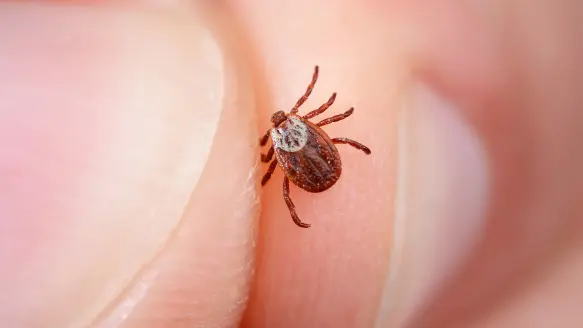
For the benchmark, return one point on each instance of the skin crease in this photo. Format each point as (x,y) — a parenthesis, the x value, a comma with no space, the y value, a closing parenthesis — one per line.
(511,66)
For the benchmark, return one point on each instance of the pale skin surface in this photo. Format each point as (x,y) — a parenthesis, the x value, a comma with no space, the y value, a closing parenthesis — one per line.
(130,196)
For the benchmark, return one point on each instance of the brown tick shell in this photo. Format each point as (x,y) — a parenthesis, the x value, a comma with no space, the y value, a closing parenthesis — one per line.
(315,167)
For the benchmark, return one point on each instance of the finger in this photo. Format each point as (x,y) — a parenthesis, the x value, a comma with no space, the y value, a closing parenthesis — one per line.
(492,163)
(331,274)
(460,154)
(108,118)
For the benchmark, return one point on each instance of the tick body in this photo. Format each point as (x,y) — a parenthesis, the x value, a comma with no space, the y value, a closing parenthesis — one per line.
(306,154)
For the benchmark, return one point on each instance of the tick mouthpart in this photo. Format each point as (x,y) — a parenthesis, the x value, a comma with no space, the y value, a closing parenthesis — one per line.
(278,117)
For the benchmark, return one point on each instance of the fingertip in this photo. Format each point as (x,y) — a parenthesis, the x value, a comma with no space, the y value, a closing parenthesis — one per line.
(112,118)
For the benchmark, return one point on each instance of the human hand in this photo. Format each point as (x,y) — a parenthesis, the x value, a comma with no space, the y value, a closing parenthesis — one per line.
(128,161)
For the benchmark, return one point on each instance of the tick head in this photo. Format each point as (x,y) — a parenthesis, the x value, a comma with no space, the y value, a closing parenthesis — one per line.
(278,117)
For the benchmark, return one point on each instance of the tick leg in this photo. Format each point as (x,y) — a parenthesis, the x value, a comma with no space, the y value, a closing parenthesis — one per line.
(264,139)
(266,158)
(307,93)
(322,108)
(353,143)
(291,206)
(269,172)
(336,118)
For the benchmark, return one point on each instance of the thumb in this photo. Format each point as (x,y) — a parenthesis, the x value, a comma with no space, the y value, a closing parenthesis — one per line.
(107,120)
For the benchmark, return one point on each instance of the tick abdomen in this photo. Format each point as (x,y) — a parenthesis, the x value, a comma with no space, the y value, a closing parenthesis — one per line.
(315,166)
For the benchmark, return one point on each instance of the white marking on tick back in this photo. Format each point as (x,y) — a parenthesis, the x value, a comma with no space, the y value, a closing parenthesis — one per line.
(292,136)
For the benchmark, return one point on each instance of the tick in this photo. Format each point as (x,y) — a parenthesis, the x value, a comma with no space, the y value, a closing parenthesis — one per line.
(306,154)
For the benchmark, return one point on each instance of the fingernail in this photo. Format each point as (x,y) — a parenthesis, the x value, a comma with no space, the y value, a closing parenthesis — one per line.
(441,195)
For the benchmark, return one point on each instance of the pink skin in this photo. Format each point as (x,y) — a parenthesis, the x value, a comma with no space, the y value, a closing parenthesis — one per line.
(50,138)
(120,203)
